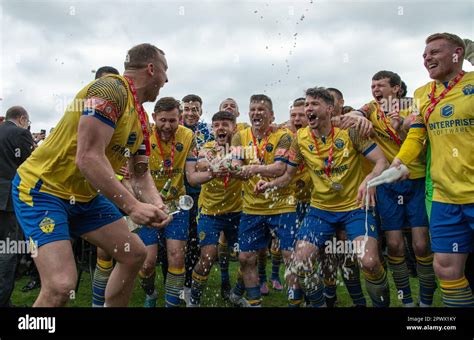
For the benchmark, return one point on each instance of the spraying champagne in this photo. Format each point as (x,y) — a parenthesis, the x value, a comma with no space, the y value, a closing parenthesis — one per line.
(388,176)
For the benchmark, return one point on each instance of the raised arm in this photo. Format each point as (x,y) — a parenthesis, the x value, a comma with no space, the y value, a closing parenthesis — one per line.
(358,120)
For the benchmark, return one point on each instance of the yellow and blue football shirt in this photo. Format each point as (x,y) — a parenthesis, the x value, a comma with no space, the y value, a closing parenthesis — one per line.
(383,139)
(54,163)
(184,151)
(450,131)
(215,198)
(345,168)
(276,149)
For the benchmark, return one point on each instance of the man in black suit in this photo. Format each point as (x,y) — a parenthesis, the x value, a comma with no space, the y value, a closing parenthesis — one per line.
(16,145)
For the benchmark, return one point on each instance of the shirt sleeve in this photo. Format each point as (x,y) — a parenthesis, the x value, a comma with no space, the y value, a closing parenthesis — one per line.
(367,110)
(295,157)
(106,99)
(414,144)
(362,144)
(283,148)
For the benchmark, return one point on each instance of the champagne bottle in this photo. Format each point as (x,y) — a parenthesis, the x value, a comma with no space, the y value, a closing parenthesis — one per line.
(388,176)
(166,189)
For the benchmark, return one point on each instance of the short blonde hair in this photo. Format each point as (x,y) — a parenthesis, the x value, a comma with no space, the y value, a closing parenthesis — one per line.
(449,37)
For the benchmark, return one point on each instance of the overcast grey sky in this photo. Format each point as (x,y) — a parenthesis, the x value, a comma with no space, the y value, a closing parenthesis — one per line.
(218,48)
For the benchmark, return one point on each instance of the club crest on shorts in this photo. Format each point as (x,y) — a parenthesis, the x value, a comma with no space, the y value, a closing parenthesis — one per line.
(202,235)
(447,110)
(47,225)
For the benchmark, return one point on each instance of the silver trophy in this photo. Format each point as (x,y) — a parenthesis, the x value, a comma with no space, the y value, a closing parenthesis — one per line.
(183,203)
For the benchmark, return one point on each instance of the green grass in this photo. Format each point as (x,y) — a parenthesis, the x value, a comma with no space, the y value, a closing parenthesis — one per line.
(211,296)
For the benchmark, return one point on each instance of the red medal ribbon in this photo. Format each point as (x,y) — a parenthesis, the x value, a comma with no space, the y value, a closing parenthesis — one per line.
(327,168)
(435,101)
(261,157)
(226,181)
(141,115)
(387,127)
(170,168)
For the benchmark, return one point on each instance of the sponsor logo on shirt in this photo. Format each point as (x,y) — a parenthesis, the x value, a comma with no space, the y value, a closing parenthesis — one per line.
(468,90)
(447,110)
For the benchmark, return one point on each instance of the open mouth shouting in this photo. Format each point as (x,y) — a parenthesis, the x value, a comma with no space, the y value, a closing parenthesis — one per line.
(257,121)
(221,136)
(312,117)
(378,97)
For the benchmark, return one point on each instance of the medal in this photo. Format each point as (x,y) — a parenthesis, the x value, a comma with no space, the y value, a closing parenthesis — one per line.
(300,184)
(166,164)
(337,186)
(327,169)
(261,152)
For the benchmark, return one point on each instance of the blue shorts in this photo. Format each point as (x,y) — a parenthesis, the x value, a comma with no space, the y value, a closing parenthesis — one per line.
(452,228)
(319,225)
(177,230)
(49,218)
(255,231)
(210,226)
(402,204)
(301,210)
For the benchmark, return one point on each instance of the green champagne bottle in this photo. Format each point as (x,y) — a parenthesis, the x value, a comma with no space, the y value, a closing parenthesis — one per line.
(166,189)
